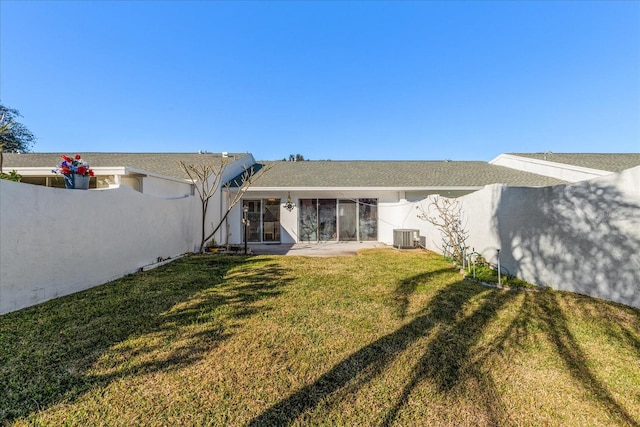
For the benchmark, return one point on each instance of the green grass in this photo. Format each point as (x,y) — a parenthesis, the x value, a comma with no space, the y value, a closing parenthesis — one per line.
(487,274)
(383,338)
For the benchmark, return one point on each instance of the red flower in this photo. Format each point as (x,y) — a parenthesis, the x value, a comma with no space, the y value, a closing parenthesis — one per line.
(73,165)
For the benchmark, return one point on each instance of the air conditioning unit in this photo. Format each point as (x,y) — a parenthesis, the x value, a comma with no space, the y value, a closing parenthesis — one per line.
(406,238)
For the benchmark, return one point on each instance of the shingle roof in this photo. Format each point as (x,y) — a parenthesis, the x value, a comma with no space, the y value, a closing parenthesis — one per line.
(611,162)
(160,163)
(381,174)
(390,174)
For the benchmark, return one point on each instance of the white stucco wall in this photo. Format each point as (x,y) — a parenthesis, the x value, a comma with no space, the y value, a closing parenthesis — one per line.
(54,242)
(165,188)
(583,237)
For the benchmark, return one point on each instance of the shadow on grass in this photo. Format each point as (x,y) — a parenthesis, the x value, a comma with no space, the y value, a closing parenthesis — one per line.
(448,360)
(541,311)
(618,324)
(407,287)
(440,361)
(549,312)
(456,318)
(158,320)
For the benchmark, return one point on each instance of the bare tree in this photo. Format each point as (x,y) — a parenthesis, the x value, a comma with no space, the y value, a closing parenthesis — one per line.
(447,216)
(207,180)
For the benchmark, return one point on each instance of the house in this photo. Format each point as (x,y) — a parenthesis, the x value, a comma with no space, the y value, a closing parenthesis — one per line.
(317,201)
(155,174)
(143,210)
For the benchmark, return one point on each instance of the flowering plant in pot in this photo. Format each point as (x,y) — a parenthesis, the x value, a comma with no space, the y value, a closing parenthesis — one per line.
(76,172)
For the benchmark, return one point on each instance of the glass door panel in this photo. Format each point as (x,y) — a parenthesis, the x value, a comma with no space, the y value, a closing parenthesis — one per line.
(271,220)
(308,220)
(347,220)
(253,231)
(368,219)
(327,220)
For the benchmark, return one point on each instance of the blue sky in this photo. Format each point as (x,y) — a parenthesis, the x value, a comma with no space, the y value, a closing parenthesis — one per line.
(329,80)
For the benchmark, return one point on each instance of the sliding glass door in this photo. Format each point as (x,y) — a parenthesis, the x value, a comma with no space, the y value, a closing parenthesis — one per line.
(368,220)
(348,220)
(308,220)
(326,219)
(253,215)
(271,220)
(344,220)
(264,220)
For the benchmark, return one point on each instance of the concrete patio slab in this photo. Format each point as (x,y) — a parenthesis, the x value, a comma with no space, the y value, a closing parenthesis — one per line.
(321,249)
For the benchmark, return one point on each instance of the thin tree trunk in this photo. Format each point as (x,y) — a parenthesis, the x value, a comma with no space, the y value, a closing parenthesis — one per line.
(202,239)
(222,220)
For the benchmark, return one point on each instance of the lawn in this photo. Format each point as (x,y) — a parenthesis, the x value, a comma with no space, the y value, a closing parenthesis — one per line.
(383,338)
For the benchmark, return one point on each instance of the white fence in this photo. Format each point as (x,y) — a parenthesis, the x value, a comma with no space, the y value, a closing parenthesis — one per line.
(55,242)
(583,237)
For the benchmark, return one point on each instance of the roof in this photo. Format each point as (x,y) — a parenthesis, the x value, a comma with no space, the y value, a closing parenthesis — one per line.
(166,164)
(611,162)
(395,174)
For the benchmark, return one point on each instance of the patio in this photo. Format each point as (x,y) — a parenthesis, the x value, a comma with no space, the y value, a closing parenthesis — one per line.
(321,249)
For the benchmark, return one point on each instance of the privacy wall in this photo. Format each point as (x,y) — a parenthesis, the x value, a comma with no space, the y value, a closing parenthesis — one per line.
(55,242)
(583,237)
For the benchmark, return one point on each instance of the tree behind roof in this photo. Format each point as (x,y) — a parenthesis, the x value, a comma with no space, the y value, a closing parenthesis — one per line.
(17,138)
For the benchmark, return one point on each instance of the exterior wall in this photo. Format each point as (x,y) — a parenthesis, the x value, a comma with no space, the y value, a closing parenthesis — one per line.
(165,188)
(134,183)
(142,181)
(55,242)
(394,212)
(289,220)
(583,237)
(569,173)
